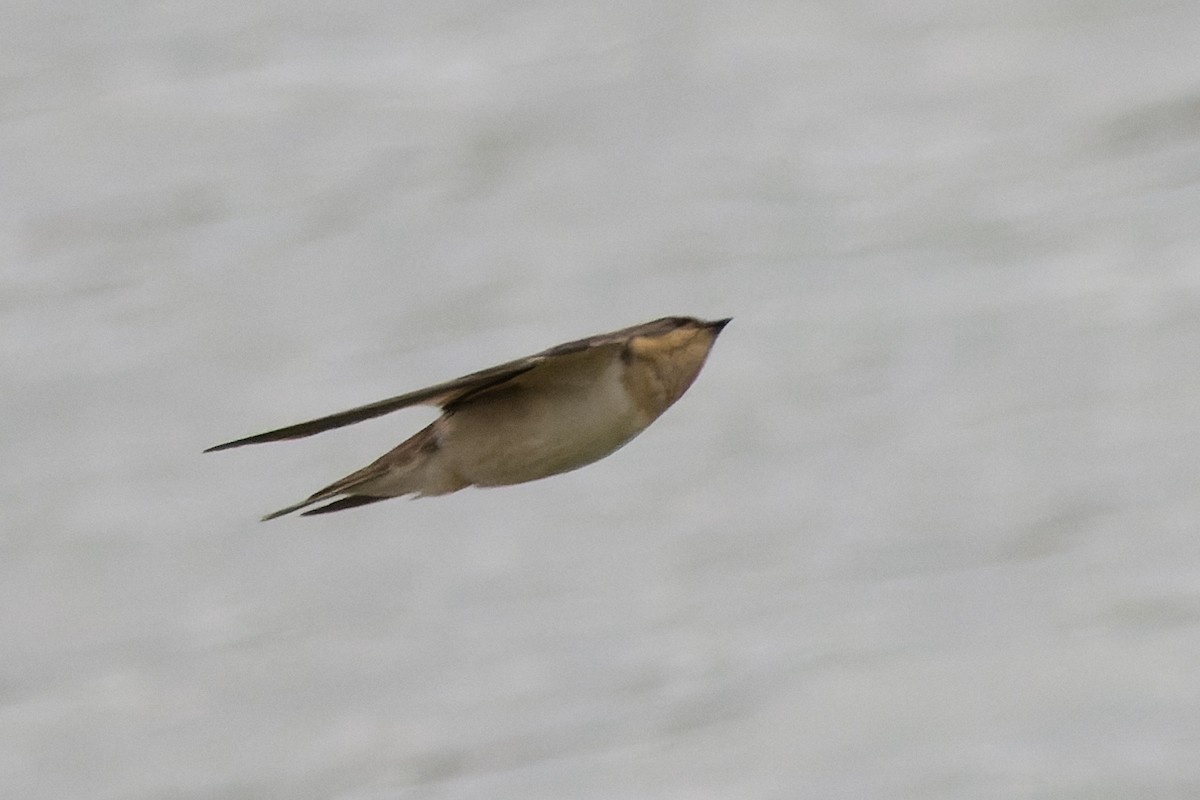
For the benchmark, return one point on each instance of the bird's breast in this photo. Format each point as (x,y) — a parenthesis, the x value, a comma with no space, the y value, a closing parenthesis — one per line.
(531,432)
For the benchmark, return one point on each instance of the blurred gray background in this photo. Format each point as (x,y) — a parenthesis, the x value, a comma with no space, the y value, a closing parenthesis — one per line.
(925,527)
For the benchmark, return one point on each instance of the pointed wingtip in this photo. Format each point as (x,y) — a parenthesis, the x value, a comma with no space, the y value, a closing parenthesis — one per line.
(284,511)
(262,437)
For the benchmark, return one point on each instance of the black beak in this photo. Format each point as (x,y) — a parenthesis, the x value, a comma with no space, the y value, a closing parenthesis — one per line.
(717,325)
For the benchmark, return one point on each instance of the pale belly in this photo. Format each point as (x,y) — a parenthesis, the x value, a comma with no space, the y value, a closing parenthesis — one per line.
(533,435)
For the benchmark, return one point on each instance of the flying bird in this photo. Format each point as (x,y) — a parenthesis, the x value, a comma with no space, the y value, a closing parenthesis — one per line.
(537,416)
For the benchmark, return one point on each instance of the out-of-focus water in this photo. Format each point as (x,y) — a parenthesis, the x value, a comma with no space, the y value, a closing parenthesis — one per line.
(925,527)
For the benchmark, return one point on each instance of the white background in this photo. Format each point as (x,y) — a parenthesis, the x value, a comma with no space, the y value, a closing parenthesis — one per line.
(925,527)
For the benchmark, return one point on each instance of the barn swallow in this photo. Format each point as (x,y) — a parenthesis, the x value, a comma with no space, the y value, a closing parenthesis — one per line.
(548,413)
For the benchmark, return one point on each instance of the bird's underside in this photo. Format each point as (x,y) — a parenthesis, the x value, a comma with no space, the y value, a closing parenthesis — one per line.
(361,479)
(548,413)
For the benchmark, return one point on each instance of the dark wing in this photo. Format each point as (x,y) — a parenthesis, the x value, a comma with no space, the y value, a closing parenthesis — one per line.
(458,390)
(442,394)
(619,337)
